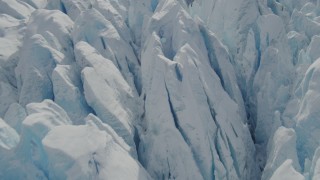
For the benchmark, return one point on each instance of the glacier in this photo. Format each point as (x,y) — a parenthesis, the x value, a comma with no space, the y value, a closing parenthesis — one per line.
(160,89)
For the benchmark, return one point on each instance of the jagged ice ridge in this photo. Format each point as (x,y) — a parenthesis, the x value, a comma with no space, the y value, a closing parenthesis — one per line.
(160,89)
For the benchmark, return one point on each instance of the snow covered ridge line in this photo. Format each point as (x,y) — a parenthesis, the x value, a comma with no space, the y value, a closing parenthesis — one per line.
(159,89)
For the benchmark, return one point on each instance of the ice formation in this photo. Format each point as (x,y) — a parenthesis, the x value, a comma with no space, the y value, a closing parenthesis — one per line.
(160,89)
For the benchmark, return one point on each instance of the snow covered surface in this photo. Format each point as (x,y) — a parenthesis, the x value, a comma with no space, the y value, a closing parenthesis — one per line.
(286,172)
(103,158)
(160,89)
(9,137)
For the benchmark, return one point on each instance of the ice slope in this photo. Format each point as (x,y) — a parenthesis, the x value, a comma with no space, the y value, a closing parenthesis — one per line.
(306,117)
(107,93)
(192,92)
(104,158)
(286,172)
(11,32)
(273,78)
(101,34)
(41,51)
(28,157)
(68,92)
(284,32)
(281,148)
(16,9)
(159,89)
(301,109)
(9,137)
(15,115)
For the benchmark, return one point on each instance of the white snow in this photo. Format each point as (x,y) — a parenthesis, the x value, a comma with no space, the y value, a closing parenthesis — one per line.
(107,92)
(85,152)
(307,116)
(281,147)
(8,96)
(68,92)
(159,89)
(15,115)
(162,138)
(9,138)
(17,9)
(286,172)
(101,34)
(37,61)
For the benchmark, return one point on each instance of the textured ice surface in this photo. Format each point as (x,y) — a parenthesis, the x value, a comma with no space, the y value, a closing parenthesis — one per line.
(9,138)
(107,92)
(68,92)
(307,117)
(17,9)
(190,89)
(163,139)
(15,115)
(29,157)
(85,152)
(92,27)
(159,89)
(72,8)
(8,95)
(281,147)
(286,172)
